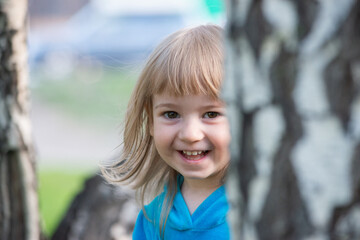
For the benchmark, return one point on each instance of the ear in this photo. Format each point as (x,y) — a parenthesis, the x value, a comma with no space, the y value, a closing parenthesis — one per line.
(151,130)
(151,127)
(150,119)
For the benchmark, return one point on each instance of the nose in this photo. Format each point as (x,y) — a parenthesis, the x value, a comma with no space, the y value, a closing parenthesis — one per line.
(191,131)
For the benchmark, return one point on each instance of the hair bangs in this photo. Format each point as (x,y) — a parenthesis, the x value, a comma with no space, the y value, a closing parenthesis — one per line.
(191,64)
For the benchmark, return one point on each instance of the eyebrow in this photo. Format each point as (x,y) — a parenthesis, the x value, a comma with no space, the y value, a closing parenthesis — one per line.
(170,105)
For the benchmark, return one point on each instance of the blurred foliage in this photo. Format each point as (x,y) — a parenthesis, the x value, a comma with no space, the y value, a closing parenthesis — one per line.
(56,191)
(90,96)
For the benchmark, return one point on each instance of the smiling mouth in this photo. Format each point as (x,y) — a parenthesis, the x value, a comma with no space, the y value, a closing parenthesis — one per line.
(194,155)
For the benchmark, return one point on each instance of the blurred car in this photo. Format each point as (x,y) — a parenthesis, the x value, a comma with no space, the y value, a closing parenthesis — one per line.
(112,34)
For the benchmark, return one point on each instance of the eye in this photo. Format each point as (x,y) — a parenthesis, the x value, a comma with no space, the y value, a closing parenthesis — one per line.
(171,115)
(211,115)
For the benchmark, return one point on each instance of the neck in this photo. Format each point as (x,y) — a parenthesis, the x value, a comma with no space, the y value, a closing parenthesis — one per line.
(201,185)
(195,191)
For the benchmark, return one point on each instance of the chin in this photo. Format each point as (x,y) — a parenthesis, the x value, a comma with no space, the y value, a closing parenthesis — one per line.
(198,176)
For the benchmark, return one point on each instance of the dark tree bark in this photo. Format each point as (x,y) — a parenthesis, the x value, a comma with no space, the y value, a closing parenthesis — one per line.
(292,87)
(100,211)
(19,215)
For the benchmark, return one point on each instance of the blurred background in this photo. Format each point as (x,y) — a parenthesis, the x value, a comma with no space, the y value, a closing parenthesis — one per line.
(84,58)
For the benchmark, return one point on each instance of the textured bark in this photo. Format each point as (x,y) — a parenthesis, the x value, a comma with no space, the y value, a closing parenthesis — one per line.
(19,216)
(292,87)
(100,211)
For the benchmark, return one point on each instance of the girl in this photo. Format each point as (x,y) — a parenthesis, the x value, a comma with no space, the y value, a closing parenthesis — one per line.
(176,139)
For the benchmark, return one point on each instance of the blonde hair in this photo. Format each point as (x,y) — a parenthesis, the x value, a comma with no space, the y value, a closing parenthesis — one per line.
(189,61)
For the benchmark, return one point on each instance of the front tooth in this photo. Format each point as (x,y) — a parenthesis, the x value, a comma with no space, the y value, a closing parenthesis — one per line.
(192,153)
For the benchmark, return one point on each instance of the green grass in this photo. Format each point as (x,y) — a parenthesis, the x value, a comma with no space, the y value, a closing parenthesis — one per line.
(56,191)
(86,96)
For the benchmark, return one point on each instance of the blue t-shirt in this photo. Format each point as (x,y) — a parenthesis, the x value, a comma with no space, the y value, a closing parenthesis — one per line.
(207,222)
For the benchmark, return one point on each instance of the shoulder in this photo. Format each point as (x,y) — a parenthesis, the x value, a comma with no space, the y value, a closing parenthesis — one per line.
(153,209)
(139,230)
(146,226)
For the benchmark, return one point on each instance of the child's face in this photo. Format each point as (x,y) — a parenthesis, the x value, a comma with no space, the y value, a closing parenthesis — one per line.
(191,134)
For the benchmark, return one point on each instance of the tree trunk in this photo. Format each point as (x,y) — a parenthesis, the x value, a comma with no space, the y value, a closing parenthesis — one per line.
(292,87)
(19,215)
(99,211)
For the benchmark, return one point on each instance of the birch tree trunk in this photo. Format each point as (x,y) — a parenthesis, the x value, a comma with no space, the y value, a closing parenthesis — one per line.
(292,87)
(99,212)
(19,217)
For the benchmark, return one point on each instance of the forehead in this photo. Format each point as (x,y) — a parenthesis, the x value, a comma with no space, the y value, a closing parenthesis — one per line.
(201,100)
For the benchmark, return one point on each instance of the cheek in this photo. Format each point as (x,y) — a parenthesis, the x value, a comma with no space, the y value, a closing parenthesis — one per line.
(224,148)
(224,135)
(222,140)
(161,136)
